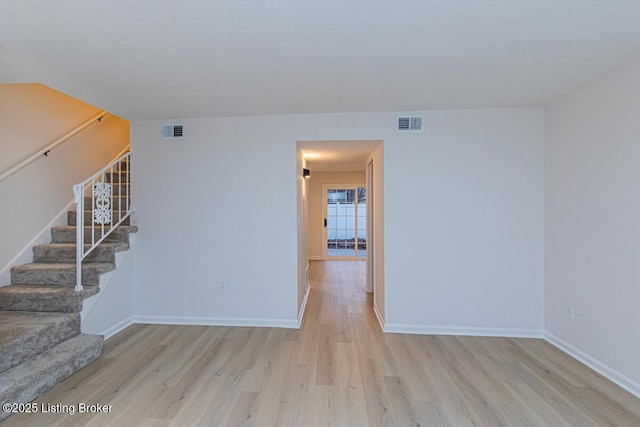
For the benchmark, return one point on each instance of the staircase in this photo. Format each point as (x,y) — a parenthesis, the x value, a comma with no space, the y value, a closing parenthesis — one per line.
(40,339)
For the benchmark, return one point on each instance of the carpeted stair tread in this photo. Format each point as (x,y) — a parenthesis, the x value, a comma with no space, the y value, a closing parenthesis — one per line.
(121,246)
(88,216)
(118,246)
(26,334)
(66,252)
(43,298)
(63,274)
(34,377)
(122,176)
(117,202)
(67,234)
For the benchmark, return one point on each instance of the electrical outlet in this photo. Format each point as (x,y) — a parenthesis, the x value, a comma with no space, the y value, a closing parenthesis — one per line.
(226,286)
(571,314)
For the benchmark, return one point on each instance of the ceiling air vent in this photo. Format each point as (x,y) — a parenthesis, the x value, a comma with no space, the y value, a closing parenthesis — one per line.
(410,124)
(172,131)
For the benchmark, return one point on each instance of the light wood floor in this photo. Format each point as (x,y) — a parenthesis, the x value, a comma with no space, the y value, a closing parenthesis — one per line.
(338,370)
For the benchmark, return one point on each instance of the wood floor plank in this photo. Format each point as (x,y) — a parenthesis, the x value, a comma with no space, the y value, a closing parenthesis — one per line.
(129,414)
(418,368)
(198,404)
(591,408)
(378,405)
(339,369)
(217,407)
(244,410)
(322,409)
(351,403)
(464,379)
(326,364)
(526,399)
(582,376)
(560,404)
(274,389)
(402,402)
(188,344)
(434,415)
(155,422)
(299,396)
(173,398)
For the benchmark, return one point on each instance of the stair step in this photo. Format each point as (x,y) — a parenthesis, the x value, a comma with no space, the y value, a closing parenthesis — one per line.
(43,298)
(124,165)
(117,202)
(118,188)
(66,252)
(88,217)
(122,176)
(121,188)
(61,274)
(67,234)
(25,334)
(34,377)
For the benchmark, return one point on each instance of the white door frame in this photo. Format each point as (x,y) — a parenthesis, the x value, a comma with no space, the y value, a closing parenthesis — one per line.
(325,187)
(370,275)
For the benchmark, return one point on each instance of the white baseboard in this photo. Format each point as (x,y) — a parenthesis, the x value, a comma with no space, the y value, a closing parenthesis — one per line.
(217,321)
(25,255)
(379,317)
(118,327)
(611,374)
(462,331)
(304,306)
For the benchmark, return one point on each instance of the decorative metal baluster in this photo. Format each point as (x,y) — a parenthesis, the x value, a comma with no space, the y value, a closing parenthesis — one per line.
(102,194)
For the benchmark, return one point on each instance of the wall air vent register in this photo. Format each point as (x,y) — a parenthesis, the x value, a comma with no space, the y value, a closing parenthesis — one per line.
(410,124)
(172,131)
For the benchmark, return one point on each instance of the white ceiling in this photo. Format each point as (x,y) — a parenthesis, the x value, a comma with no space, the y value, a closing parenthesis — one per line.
(159,59)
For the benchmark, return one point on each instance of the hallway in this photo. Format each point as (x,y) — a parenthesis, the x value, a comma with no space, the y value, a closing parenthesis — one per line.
(338,369)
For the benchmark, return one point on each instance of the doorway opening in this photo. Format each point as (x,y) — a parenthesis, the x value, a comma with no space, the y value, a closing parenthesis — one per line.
(336,215)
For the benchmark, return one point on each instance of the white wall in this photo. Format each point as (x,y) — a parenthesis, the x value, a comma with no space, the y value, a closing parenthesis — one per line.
(222,205)
(316,214)
(33,116)
(219,206)
(592,232)
(469,252)
(112,309)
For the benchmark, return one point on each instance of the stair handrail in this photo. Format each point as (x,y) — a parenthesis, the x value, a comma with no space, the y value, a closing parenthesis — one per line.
(45,151)
(101,186)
